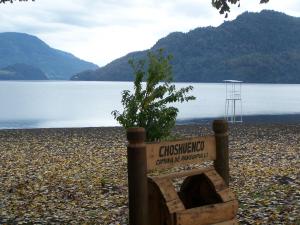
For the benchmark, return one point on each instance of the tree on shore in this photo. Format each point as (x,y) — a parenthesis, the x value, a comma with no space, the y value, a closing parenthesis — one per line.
(149,105)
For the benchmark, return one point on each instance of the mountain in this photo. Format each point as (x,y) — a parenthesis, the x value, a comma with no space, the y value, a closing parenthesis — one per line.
(22,72)
(255,47)
(26,49)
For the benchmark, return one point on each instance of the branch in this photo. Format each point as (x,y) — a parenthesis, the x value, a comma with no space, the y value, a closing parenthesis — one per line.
(223,5)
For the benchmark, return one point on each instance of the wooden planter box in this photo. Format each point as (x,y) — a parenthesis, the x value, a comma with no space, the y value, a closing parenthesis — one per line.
(204,196)
(203,199)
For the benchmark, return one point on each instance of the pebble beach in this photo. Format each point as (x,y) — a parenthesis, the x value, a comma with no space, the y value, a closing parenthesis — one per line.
(79,175)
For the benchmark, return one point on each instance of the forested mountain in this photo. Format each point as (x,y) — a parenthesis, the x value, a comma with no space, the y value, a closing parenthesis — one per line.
(26,49)
(21,72)
(256,47)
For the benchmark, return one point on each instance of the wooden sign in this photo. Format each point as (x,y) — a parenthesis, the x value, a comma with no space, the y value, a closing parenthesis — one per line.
(143,157)
(174,153)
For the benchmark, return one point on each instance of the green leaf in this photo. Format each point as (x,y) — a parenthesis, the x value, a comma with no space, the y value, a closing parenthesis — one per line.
(149,107)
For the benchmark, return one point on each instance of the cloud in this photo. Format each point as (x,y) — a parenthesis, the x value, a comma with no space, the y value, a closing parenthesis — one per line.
(103,30)
(191,9)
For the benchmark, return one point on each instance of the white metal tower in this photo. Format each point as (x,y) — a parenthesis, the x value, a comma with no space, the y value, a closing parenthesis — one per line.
(233,102)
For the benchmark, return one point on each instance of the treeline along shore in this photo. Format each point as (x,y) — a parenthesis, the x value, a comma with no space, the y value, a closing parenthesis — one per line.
(77,176)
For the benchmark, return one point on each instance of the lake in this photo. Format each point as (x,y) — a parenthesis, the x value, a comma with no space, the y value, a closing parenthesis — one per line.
(44,104)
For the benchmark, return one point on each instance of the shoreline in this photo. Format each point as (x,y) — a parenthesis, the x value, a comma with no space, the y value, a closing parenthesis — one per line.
(247,119)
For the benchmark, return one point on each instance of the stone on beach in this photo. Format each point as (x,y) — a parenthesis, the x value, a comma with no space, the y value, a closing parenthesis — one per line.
(77,176)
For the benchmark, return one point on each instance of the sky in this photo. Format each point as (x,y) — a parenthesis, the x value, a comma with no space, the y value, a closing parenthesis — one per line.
(100,31)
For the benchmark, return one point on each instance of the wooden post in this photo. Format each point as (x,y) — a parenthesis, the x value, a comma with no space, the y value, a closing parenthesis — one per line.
(221,163)
(137,176)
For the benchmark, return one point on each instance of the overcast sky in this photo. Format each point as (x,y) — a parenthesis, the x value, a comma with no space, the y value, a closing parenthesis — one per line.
(103,30)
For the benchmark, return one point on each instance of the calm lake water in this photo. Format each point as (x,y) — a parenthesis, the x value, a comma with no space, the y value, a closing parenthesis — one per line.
(89,104)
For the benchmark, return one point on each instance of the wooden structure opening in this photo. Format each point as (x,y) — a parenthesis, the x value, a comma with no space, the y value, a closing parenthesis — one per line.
(198,190)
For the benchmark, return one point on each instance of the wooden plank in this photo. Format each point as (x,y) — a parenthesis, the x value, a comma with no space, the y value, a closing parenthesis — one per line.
(170,197)
(167,189)
(216,179)
(213,175)
(187,173)
(228,222)
(164,155)
(209,214)
(175,206)
(155,213)
(226,195)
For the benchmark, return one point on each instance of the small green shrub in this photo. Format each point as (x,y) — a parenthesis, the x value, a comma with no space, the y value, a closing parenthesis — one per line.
(149,105)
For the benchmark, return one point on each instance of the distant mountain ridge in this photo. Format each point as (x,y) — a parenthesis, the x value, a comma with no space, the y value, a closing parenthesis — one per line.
(255,47)
(21,72)
(21,48)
